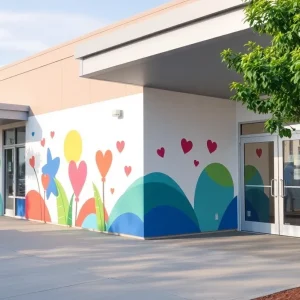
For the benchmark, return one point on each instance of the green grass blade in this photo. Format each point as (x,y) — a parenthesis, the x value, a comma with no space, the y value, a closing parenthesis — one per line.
(70,212)
(62,204)
(99,209)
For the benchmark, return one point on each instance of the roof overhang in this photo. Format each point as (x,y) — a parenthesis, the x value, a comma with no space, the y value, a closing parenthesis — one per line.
(176,50)
(11,113)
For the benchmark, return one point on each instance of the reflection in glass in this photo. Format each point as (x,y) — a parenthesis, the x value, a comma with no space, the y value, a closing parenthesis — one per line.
(9,137)
(21,131)
(258,174)
(9,179)
(291,177)
(20,172)
(253,128)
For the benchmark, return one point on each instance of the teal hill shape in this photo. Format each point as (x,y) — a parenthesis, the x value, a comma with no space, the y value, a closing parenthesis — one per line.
(214,193)
(252,176)
(257,202)
(132,201)
(162,190)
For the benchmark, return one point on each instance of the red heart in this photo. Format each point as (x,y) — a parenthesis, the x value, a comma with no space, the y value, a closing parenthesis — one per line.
(112,190)
(32,162)
(259,152)
(161,152)
(196,163)
(52,134)
(186,146)
(120,146)
(127,170)
(211,146)
(43,141)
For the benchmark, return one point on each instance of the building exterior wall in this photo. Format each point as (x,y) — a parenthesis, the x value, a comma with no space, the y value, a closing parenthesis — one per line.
(57,86)
(80,156)
(190,163)
(170,167)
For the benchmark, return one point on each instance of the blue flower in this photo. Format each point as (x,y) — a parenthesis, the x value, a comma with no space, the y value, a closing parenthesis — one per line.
(51,168)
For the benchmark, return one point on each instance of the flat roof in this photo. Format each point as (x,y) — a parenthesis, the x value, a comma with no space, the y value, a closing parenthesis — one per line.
(193,11)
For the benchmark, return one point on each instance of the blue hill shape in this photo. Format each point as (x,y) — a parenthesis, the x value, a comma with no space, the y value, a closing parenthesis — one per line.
(167,211)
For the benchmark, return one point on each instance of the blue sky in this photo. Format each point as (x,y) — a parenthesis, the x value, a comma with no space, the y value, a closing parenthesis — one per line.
(30,26)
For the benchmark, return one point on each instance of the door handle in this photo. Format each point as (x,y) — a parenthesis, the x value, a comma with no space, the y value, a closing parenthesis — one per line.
(273,187)
(282,188)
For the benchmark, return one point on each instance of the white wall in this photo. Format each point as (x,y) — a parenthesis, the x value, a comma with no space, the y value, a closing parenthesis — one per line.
(98,131)
(244,116)
(170,117)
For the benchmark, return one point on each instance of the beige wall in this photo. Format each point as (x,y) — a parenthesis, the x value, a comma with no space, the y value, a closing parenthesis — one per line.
(57,86)
(49,81)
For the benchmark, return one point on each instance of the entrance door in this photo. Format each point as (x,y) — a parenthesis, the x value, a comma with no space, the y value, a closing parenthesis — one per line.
(260,181)
(9,182)
(289,200)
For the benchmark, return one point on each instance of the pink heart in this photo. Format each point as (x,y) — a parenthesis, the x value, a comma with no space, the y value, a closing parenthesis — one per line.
(120,146)
(52,133)
(112,190)
(211,146)
(196,163)
(77,177)
(127,170)
(161,152)
(43,141)
(259,152)
(186,146)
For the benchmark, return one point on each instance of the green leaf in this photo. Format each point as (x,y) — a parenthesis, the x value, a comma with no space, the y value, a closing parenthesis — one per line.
(62,204)
(70,212)
(273,70)
(99,209)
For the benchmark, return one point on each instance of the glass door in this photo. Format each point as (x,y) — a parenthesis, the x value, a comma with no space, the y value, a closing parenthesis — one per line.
(289,200)
(9,182)
(260,184)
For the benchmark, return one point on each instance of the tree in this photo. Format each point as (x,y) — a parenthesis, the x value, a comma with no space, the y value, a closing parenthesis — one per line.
(271,75)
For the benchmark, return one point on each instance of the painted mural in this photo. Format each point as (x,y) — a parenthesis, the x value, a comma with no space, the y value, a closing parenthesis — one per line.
(91,174)
(154,205)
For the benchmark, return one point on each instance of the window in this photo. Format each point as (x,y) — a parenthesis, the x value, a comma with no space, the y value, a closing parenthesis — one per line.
(9,137)
(21,135)
(253,128)
(15,136)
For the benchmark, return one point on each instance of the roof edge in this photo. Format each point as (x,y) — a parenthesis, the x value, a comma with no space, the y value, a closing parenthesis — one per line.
(170,20)
(110,27)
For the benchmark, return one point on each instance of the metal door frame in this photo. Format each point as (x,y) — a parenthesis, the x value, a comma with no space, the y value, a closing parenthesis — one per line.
(258,226)
(285,229)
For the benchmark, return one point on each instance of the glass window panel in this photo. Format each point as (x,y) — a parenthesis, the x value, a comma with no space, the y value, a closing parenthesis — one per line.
(291,177)
(258,173)
(253,128)
(20,172)
(21,131)
(9,179)
(9,137)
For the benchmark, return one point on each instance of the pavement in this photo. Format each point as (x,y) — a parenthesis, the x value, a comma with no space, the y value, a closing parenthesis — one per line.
(41,261)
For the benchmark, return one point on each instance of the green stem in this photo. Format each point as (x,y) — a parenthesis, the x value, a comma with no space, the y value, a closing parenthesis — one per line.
(103,186)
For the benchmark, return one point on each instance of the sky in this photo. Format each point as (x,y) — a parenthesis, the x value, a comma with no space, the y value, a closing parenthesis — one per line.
(30,26)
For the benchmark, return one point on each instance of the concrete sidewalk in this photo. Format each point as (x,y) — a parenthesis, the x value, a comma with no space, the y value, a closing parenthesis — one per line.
(39,261)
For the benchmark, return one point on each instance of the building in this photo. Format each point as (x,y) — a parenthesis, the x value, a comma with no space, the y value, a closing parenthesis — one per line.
(129,130)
